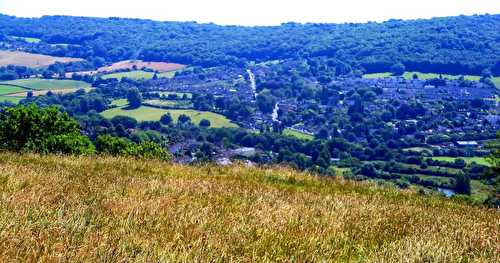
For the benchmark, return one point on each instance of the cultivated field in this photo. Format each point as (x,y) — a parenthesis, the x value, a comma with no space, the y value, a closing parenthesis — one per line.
(48,84)
(297,134)
(30,60)
(44,92)
(27,39)
(103,209)
(6,89)
(170,103)
(154,114)
(468,160)
(139,64)
(409,75)
(39,87)
(137,74)
(11,99)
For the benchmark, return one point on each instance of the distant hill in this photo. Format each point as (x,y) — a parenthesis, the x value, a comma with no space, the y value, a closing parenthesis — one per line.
(56,208)
(452,45)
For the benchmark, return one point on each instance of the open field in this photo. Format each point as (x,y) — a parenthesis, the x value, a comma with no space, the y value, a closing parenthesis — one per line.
(139,64)
(48,84)
(30,60)
(137,74)
(56,208)
(154,114)
(179,94)
(119,102)
(468,160)
(28,39)
(6,89)
(44,92)
(297,134)
(409,75)
(170,103)
(11,99)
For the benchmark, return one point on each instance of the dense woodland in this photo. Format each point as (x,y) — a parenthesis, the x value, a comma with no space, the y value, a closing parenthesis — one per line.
(454,45)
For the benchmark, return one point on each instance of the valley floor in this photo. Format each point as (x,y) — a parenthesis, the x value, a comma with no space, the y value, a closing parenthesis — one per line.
(55,208)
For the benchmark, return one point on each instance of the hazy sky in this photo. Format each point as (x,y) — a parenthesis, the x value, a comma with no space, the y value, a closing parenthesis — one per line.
(252,12)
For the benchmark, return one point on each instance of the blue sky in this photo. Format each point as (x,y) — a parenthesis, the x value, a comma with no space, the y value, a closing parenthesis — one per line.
(253,12)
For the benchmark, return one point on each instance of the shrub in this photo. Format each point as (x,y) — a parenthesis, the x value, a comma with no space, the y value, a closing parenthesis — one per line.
(43,130)
(75,144)
(120,146)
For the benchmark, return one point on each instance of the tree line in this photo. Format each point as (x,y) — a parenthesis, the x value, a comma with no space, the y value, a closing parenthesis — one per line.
(453,45)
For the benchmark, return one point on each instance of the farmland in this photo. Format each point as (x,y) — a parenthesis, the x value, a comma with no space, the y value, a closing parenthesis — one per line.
(27,39)
(170,103)
(179,94)
(424,76)
(468,160)
(409,75)
(139,64)
(11,99)
(31,60)
(5,89)
(44,92)
(154,114)
(123,209)
(39,87)
(137,74)
(298,134)
(48,84)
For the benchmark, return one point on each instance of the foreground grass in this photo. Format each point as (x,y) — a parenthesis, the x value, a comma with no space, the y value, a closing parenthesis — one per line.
(118,209)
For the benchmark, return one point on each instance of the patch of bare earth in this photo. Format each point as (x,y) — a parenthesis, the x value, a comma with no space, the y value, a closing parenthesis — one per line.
(31,60)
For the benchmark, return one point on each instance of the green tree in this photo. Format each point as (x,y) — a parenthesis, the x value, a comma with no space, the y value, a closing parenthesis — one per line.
(166,119)
(183,118)
(494,157)
(134,98)
(205,123)
(43,130)
(266,102)
(112,145)
(462,184)
(398,69)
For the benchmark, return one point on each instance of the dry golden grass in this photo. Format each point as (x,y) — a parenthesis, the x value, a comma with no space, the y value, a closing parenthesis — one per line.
(75,209)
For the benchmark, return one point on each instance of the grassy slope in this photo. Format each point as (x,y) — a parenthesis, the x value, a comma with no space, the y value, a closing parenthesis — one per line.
(48,84)
(117,209)
(154,114)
